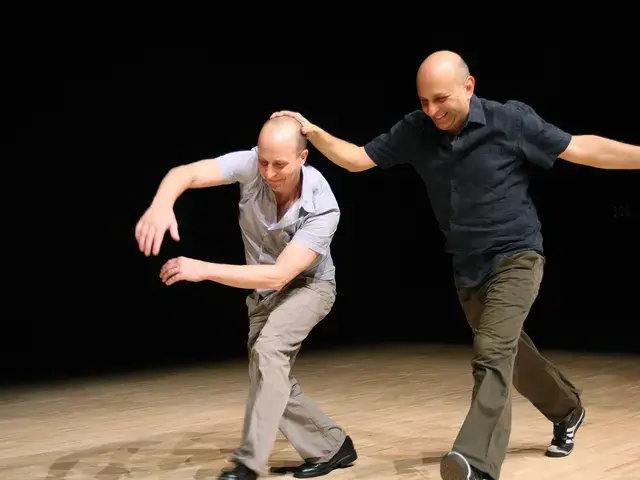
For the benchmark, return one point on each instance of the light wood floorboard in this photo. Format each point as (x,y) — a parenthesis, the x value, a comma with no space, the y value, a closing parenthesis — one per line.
(402,405)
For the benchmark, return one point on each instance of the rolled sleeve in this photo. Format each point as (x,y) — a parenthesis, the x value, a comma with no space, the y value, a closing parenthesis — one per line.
(540,141)
(317,231)
(240,166)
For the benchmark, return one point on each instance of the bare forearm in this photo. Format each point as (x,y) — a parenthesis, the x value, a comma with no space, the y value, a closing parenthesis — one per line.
(174,184)
(246,276)
(201,174)
(601,152)
(344,154)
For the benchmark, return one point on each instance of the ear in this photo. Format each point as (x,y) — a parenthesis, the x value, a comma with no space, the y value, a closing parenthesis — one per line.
(303,156)
(469,85)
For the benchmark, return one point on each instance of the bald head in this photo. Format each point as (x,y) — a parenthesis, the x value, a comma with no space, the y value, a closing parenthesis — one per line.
(282,151)
(445,88)
(285,132)
(444,64)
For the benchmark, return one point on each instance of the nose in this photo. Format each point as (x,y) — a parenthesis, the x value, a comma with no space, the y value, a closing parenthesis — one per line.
(429,108)
(270,174)
(432,110)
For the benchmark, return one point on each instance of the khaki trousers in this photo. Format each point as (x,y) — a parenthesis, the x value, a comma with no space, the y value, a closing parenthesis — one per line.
(502,353)
(278,324)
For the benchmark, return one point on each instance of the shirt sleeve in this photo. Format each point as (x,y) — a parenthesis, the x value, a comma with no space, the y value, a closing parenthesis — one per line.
(540,141)
(396,146)
(240,166)
(317,230)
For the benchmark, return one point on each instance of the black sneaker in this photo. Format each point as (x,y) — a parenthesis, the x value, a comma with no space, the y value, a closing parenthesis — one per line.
(564,434)
(453,466)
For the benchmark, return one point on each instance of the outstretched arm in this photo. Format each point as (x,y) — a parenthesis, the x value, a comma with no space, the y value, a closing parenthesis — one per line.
(543,142)
(344,154)
(293,260)
(600,152)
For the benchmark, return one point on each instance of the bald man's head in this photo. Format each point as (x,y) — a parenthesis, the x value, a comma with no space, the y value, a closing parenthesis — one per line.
(444,63)
(284,129)
(282,151)
(445,88)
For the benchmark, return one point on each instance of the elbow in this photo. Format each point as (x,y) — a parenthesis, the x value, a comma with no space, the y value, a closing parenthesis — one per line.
(360,161)
(356,168)
(278,281)
(181,170)
(277,285)
(183,175)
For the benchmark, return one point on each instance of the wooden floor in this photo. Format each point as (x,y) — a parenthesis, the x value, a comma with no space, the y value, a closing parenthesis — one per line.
(402,406)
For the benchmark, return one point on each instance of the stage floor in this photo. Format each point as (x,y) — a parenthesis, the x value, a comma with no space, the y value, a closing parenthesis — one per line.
(401,405)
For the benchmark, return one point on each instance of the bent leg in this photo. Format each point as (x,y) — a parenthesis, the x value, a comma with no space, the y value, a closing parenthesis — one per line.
(279,324)
(540,382)
(314,435)
(534,377)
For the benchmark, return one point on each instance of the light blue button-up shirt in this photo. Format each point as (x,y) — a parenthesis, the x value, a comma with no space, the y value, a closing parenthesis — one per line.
(311,221)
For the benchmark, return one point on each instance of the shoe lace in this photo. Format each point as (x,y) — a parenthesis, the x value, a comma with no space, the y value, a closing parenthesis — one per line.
(559,433)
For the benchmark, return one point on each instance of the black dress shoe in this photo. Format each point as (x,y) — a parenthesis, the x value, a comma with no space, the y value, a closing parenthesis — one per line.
(343,459)
(239,472)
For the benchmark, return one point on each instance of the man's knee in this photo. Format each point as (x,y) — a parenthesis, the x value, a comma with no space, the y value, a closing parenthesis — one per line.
(490,350)
(269,352)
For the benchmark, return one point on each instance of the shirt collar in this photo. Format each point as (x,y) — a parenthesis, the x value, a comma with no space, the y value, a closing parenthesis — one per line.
(476,111)
(306,195)
(306,200)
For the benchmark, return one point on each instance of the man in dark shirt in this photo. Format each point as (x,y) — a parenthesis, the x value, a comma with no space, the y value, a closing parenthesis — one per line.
(472,154)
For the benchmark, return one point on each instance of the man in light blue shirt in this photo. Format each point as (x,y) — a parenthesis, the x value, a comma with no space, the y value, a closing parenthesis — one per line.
(288,216)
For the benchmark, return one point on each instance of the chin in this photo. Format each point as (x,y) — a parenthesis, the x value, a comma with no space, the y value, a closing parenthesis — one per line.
(444,125)
(452,126)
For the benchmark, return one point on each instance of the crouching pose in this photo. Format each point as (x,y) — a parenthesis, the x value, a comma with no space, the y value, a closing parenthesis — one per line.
(288,216)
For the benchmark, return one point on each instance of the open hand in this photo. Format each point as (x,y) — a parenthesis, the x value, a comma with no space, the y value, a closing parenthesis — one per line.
(183,268)
(153,225)
(307,126)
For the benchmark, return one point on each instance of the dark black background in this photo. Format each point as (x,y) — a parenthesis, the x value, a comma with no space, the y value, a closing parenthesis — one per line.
(92,134)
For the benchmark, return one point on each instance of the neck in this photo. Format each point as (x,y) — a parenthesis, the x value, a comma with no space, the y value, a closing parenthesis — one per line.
(461,125)
(282,198)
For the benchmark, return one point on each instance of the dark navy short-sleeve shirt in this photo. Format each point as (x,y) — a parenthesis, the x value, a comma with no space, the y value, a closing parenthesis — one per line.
(477,181)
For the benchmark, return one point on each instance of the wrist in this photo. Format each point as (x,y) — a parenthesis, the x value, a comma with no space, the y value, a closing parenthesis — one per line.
(162,202)
(209,270)
(314,131)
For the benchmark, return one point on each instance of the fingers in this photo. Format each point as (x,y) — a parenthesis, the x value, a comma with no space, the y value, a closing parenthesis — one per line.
(170,272)
(151,228)
(150,237)
(140,233)
(306,126)
(139,226)
(148,240)
(174,231)
(168,269)
(288,113)
(157,242)
(159,237)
